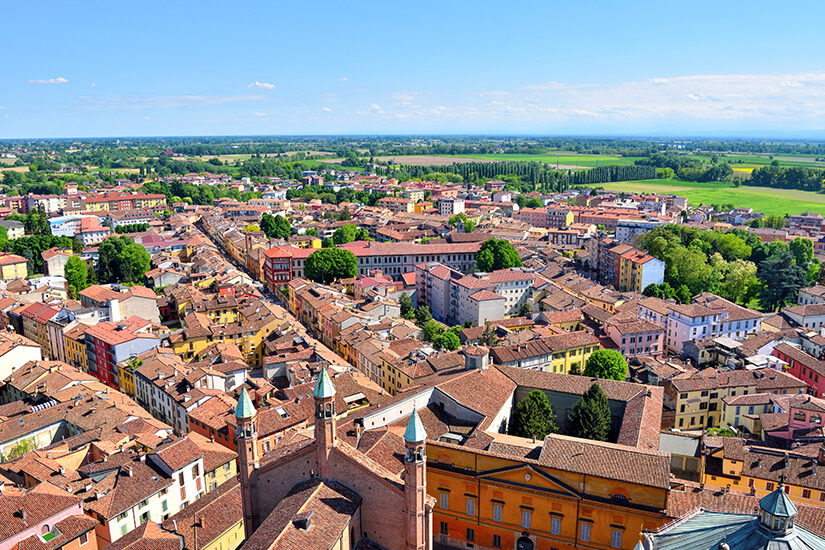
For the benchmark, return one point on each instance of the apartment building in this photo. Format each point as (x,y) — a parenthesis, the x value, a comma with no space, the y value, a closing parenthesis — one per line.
(698,397)
(558,353)
(108,343)
(637,270)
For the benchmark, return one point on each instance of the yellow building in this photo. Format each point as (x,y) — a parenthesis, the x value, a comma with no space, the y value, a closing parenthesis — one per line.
(76,346)
(126,376)
(557,353)
(499,498)
(698,400)
(731,464)
(13,267)
(213,522)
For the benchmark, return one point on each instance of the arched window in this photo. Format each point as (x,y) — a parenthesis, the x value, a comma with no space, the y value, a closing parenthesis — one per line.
(45,529)
(815,418)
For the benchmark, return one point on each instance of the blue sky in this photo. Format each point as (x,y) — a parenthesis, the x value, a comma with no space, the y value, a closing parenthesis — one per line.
(215,68)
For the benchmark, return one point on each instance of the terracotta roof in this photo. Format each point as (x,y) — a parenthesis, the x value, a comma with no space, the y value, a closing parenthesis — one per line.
(328,505)
(217,511)
(148,536)
(543,346)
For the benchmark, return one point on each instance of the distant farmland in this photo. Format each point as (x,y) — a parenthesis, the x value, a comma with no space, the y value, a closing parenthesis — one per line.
(763,199)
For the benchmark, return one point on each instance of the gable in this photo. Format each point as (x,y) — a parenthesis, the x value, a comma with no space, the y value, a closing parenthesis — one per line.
(527,475)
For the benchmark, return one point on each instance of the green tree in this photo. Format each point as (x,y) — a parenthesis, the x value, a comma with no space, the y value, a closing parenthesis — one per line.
(405,303)
(432,330)
(606,363)
(525,310)
(76,273)
(422,315)
(344,234)
(781,280)
(449,341)
(268,225)
(251,227)
(121,260)
(756,223)
(590,416)
(328,264)
(803,251)
(345,215)
(533,417)
(740,282)
(497,254)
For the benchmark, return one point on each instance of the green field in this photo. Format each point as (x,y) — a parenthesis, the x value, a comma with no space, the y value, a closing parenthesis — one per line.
(762,199)
(756,160)
(565,159)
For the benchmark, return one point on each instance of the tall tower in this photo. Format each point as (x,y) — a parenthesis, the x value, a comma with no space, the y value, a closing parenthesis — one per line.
(325,424)
(246,443)
(415,483)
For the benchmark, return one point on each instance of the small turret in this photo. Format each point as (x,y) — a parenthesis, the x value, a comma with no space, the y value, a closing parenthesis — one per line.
(325,423)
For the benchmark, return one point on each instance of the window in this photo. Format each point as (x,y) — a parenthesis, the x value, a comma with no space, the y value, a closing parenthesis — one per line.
(122,516)
(444,500)
(144,503)
(124,529)
(443,528)
(496,541)
(471,506)
(616,538)
(164,506)
(806,493)
(584,535)
(555,525)
(769,485)
(144,517)
(497,509)
(84,538)
(471,535)
(526,518)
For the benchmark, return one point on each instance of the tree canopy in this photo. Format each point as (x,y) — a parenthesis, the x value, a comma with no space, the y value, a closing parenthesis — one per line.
(497,254)
(329,264)
(533,417)
(606,363)
(590,416)
(121,260)
(76,273)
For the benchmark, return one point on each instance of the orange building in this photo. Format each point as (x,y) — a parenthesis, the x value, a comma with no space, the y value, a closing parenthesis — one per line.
(563,493)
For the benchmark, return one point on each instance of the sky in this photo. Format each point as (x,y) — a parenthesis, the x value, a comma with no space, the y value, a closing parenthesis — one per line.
(721,68)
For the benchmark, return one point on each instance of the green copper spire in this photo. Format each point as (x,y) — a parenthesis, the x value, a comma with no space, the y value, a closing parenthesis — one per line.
(245,408)
(323,387)
(415,432)
(778,503)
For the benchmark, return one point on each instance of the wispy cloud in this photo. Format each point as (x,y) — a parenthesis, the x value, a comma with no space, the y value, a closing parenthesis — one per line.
(326,109)
(262,85)
(256,113)
(343,79)
(2,108)
(58,80)
(123,103)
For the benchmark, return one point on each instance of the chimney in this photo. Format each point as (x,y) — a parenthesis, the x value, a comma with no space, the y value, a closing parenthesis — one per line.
(62,470)
(303,521)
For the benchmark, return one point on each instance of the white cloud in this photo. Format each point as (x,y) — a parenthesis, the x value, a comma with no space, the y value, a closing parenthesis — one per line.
(326,109)
(343,79)
(91,85)
(262,85)
(2,108)
(405,95)
(146,118)
(256,113)
(58,80)
(123,103)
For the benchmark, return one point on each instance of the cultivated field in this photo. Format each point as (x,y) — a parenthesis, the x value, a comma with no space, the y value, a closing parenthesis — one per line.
(565,159)
(428,160)
(14,168)
(7,161)
(762,199)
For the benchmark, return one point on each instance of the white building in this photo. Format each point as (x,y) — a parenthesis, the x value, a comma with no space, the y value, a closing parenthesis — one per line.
(628,229)
(450,206)
(810,316)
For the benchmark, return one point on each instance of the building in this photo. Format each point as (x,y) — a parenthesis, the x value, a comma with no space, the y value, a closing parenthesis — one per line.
(771,527)
(808,316)
(698,397)
(808,369)
(14,229)
(108,343)
(450,206)
(16,351)
(45,517)
(562,493)
(636,337)
(628,229)
(54,261)
(13,267)
(558,353)
(116,302)
(637,270)
(396,204)
(811,295)
(375,504)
